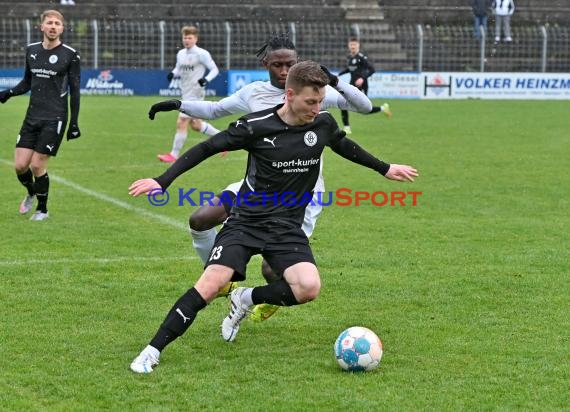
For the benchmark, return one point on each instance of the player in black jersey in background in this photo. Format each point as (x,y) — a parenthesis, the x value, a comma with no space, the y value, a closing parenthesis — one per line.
(52,74)
(284,146)
(360,69)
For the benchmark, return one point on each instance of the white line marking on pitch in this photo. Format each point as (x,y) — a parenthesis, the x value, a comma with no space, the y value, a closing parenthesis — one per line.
(103,261)
(101,196)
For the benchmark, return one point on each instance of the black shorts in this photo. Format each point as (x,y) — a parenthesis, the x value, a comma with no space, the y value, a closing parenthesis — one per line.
(42,136)
(280,245)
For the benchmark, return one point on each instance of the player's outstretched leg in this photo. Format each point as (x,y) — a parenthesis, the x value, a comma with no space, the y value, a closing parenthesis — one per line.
(385,109)
(238,311)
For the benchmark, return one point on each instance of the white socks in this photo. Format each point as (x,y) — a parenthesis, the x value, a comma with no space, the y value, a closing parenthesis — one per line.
(203,242)
(179,140)
(246,297)
(208,129)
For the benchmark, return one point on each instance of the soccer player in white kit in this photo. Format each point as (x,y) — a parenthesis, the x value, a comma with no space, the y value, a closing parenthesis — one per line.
(277,56)
(192,63)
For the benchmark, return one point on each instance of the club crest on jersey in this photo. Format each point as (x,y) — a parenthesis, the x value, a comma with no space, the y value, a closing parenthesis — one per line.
(53,59)
(310,139)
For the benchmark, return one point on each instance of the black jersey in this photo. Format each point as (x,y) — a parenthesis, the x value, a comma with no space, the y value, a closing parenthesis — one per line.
(359,67)
(283,163)
(50,75)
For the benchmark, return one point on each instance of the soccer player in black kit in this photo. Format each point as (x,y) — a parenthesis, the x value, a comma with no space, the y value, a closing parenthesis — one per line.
(52,74)
(285,144)
(360,69)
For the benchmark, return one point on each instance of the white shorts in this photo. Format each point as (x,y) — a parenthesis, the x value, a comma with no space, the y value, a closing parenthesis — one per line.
(234,187)
(312,212)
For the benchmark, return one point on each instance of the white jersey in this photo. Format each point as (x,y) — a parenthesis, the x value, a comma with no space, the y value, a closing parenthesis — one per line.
(504,7)
(261,95)
(191,66)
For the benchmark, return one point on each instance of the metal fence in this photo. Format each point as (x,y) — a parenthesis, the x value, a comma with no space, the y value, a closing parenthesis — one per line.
(153,44)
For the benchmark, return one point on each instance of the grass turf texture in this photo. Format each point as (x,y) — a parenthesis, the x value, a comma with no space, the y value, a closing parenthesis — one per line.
(468,290)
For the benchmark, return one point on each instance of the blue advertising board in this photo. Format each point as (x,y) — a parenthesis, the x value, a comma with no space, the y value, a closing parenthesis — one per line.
(387,85)
(11,77)
(140,82)
(239,78)
(122,82)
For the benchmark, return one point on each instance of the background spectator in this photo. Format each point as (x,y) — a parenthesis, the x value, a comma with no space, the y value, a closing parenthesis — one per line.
(480,16)
(504,9)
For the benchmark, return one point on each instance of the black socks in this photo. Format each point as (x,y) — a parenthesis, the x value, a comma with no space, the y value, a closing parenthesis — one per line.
(27,180)
(178,319)
(276,293)
(41,189)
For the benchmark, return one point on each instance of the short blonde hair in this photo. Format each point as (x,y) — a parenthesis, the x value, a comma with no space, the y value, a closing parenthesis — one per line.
(49,13)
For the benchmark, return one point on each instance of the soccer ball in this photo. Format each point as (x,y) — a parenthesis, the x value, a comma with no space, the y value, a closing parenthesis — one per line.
(358,349)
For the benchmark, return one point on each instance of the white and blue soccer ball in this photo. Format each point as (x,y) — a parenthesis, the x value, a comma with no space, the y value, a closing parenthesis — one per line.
(358,349)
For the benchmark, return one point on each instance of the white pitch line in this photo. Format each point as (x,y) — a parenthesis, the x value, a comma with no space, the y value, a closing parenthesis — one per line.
(101,196)
(164,219)
(103,261)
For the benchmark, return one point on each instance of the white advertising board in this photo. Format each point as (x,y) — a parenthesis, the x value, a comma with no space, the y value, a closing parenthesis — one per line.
(452,85)
(394,85)
(459,85)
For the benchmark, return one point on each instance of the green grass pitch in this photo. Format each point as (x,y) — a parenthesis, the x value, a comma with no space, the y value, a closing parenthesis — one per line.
(469,290)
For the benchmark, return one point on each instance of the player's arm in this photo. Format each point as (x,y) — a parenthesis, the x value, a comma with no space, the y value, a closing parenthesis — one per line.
(347,97)
(22,87)
(235,138)
(74,97)
(194,156)
(203,109)
(369,69)
(175,72)
(214,110)
(213,70)
(344,96)
(350,150)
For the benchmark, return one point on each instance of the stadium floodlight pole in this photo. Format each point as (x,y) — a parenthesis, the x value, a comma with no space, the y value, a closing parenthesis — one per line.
(228,45)
(28,32)
(161,25)
(544,47)
(420,31)
(95,43)
(482,56)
